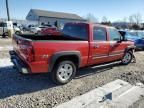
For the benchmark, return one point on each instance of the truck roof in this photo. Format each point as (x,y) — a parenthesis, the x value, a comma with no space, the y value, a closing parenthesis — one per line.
(88,23)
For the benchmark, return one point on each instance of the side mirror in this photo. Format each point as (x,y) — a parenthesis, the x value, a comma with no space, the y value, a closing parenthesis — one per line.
(125,39)
(122,38)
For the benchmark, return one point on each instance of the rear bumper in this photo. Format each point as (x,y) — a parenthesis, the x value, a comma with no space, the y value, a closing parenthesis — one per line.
(28,67)
(18,63)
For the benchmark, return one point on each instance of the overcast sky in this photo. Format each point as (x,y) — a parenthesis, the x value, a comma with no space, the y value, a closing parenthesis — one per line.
(113,9)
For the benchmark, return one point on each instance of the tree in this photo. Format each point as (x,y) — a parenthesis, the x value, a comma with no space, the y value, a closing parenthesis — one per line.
(91,18)
(125,19)
(136,27)
(137,18)
(131,19)
(104,19)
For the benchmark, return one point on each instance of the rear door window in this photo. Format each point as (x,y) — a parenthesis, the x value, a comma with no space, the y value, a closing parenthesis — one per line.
(99,34)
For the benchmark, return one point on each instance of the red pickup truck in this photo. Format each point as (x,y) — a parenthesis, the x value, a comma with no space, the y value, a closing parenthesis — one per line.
(80,45)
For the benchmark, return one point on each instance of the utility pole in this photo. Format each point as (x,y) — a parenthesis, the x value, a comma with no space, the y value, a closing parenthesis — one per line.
(7,7)
(9,22)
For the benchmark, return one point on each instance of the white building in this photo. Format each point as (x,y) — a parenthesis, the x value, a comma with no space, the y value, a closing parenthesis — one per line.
(49,17)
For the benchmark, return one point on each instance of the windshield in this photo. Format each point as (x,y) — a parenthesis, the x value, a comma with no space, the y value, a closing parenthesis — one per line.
(141,34)
(138,34)
(132,33)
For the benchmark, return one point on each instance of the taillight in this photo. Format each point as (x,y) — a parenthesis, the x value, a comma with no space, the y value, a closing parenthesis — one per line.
(30,54)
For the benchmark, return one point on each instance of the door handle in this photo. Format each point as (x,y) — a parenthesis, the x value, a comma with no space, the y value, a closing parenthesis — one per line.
(96,46)
(111,45)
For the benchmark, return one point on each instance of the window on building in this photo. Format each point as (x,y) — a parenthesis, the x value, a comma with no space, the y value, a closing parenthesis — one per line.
(3,24)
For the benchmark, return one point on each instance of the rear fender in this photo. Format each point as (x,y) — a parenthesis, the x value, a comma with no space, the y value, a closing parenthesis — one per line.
(57,55)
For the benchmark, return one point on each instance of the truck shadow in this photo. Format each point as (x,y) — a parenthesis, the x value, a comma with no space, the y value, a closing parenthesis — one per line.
(84,72)
(13,83)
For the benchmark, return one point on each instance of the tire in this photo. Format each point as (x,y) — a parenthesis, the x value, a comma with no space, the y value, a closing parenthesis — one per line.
(63,72)
(127,58)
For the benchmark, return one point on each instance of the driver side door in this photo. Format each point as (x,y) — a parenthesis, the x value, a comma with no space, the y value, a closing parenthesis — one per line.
(117,47)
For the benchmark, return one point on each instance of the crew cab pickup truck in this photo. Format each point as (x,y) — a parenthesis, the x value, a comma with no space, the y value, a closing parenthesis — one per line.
(80,45)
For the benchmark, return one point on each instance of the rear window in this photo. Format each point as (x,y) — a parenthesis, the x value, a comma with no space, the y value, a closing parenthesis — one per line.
(76,31)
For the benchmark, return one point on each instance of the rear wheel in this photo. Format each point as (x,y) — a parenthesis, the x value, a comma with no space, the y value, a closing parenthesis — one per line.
(127,58)
(63,72)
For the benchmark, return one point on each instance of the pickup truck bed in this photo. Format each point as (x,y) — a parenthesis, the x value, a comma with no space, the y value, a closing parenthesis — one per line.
(49,37)
(36,51)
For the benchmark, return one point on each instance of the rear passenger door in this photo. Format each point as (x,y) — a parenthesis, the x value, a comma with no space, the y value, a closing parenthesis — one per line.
(99,47)
(117,47)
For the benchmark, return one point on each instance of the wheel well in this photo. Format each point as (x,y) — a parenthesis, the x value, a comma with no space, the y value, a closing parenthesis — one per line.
(131,50)
(72,58)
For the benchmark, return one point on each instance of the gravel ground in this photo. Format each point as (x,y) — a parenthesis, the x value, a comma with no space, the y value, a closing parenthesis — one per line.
(5,41)
(5,46)
(139,104)
(37,91)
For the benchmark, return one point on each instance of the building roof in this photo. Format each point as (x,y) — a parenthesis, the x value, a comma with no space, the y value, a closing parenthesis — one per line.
(44,13)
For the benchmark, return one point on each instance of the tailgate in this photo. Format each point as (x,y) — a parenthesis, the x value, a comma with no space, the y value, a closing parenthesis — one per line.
(22,46)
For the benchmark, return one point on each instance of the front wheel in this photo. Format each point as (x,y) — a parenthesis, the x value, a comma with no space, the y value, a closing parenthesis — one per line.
(63,72)
(127,58)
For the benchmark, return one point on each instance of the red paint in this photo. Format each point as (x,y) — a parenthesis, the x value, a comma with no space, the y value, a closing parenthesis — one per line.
(32,52)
